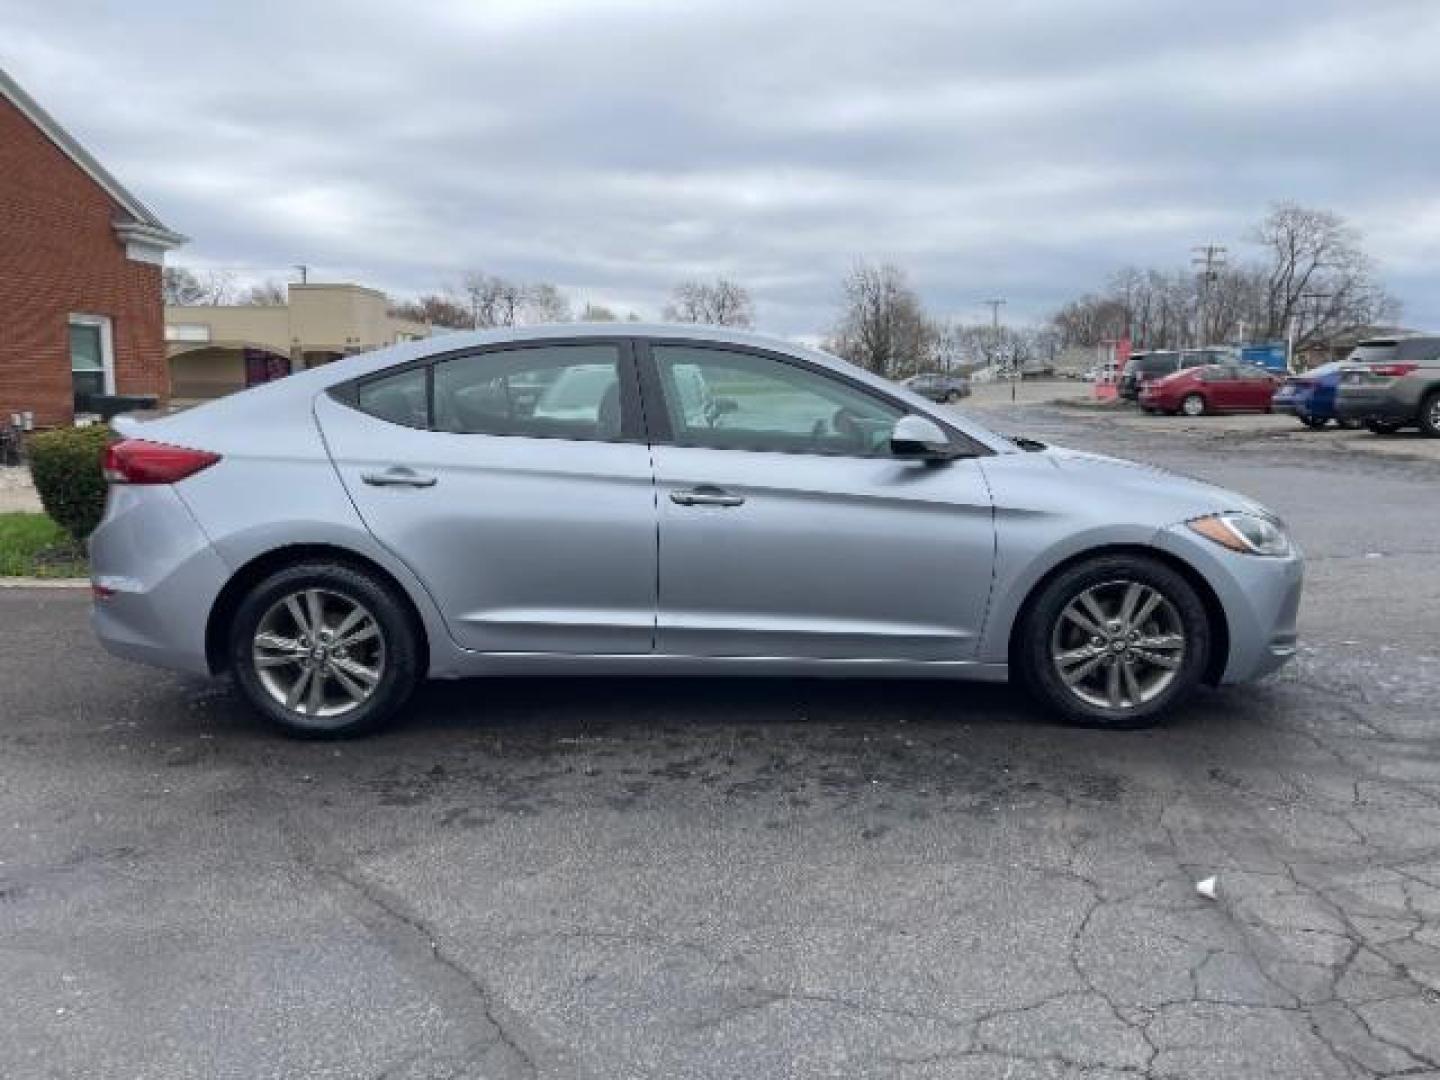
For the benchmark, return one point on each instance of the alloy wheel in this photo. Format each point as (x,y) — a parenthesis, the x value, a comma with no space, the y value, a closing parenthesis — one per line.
(319,653)
(1194,405)
(1118,645)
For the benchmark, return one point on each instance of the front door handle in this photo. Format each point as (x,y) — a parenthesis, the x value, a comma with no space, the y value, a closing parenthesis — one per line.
(398,477)
(706,495)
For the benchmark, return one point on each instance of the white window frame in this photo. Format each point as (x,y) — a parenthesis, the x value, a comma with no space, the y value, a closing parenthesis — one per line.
(107,344)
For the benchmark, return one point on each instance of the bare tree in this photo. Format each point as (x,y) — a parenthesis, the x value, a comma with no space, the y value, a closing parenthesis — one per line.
(545,303)
(434,309)
(268,293)
(1317,278)
(883,326)
(596,313)
(719,303)
(182,286)
(1313,279)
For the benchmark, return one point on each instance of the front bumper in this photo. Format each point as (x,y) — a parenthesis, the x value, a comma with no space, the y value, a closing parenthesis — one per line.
(1260,597)
(158,576)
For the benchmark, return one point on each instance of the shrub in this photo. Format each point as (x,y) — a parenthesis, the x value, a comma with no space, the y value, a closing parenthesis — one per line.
(66,467)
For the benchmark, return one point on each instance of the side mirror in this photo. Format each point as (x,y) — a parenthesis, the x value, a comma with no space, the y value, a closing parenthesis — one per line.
(919,438)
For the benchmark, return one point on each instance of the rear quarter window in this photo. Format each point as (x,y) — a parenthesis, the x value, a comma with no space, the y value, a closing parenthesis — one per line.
(401,398)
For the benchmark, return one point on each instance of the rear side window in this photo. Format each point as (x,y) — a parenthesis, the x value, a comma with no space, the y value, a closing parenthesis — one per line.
(1419,350)
(399,398)
(544,391)
(1376,352)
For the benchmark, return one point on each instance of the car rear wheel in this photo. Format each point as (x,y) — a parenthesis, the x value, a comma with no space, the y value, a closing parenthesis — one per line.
(1114,642)
(324,650)
(1430,415)
(1193,405)
(1382,427)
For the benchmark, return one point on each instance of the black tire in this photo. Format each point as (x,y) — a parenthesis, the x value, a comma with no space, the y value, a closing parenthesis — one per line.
(399,656)
(1189,409)
(951,398)
(1038,629)
(1314,423)
(1382,427)
(1430,415)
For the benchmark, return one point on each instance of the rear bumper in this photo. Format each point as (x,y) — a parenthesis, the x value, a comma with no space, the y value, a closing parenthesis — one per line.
(1373,403)
(1297,405)
(160,576)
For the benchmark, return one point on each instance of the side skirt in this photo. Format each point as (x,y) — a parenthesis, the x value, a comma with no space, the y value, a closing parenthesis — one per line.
(560,665)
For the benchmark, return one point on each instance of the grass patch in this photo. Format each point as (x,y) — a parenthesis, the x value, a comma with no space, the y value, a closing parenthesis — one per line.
(31,545)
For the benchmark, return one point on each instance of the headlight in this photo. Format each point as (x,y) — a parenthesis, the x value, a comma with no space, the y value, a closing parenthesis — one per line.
(1248,534)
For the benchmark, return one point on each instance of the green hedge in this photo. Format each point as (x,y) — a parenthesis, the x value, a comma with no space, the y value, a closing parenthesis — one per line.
(65,465)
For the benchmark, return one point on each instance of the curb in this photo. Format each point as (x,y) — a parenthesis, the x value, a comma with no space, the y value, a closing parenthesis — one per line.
(44,583)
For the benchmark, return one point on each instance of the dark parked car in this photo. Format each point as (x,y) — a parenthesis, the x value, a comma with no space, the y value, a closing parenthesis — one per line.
(1142,368)
(1393,383)
(1310,397)
(938,387)
(1213,389)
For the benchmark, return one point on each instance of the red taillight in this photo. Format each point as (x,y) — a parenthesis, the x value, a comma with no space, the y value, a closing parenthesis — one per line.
(138,461)
(1392,371)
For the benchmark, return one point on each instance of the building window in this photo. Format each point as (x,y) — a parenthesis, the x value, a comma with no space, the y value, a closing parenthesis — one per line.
(92,358)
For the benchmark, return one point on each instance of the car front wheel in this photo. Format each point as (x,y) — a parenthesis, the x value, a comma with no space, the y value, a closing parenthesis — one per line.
(1114,642)
(324,650)
(1193,405)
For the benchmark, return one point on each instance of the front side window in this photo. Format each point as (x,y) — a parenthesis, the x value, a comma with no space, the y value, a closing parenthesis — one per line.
(730,400)
(543,391)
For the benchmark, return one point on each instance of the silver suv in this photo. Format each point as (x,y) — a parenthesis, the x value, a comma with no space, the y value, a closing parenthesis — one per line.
(1393,383)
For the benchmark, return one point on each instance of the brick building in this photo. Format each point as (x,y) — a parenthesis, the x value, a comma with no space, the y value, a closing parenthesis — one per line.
(80,273)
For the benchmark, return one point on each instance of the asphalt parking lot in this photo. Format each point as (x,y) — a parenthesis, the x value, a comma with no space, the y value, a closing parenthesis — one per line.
(754,879)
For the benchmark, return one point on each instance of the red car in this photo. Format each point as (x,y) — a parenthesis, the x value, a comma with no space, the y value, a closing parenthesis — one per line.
(1211,389)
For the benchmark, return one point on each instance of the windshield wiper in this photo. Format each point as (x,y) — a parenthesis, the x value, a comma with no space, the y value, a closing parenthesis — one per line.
(1031,446)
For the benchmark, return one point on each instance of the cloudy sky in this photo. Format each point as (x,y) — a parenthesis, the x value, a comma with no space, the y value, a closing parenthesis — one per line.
(1022,148)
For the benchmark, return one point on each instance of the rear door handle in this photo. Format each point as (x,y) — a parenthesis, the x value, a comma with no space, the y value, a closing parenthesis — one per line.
(706,495)
(398,477)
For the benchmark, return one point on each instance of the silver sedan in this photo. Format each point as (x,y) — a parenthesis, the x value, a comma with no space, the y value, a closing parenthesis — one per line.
(661,500)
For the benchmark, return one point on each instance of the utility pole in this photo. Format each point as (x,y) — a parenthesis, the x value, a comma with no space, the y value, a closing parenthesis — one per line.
(995,305)
(304,272)
(1317,296)
(1208,260)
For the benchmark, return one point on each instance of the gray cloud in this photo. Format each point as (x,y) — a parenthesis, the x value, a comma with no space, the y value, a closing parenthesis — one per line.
(1024,149)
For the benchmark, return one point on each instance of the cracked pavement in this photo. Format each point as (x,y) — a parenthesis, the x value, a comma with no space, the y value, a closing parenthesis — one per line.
(743,879)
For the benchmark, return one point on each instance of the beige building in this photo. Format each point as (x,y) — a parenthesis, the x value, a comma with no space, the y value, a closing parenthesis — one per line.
(214,350)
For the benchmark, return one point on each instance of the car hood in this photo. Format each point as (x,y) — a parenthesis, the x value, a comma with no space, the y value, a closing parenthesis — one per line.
(1108,487)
